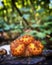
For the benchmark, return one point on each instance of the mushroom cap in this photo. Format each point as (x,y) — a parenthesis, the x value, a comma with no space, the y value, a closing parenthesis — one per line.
(26,46)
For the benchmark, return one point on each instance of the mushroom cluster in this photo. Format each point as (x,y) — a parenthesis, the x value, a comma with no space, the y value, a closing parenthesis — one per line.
(26,46)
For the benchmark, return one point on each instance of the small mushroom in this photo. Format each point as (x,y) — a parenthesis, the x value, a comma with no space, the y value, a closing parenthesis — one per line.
(3,52)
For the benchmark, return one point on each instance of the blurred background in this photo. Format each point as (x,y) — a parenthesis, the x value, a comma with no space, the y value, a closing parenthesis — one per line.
(19,17)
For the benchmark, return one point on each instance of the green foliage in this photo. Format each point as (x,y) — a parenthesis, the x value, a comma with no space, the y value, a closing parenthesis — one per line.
(37,13)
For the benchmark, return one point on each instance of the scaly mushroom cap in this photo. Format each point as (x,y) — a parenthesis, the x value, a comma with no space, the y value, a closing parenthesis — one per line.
(26,39)
(26,46)
(35,48)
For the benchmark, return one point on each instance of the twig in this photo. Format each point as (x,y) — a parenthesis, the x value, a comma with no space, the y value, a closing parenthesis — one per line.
(13,2)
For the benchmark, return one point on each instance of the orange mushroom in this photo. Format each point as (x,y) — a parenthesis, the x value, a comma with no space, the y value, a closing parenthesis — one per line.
(26,46)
